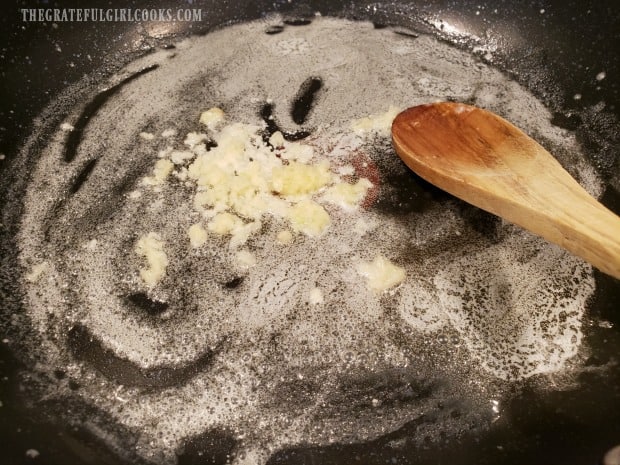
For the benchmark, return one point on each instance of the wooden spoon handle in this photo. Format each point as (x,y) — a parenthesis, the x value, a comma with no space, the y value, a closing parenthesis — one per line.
(584,227)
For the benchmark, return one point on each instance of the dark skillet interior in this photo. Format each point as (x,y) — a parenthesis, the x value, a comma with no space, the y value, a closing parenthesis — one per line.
(556,48)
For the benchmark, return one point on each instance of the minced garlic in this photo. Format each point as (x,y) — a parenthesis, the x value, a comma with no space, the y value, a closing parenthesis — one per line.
(211,118)
(170,132)
(245,259)
(277,139)
(240,178)
(347,195)
(241,234)
(147,136)
(285,237)
(316,296)
(309,218)
(179,157)
(224,223)
(197,235)
(378,123)
(300,179)
(151,247)
(161,171)
(381,274)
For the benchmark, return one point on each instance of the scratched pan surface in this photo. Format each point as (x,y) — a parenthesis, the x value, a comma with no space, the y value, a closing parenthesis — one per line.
(556,50)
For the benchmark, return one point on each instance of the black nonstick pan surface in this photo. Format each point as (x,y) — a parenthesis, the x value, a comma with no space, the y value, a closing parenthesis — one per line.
(565,53)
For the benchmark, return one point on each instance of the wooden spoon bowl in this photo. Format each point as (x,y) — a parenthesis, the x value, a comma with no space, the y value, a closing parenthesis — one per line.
(483,159)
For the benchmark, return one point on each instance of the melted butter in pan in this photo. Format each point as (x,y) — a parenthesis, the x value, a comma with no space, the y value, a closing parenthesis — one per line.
(218,344)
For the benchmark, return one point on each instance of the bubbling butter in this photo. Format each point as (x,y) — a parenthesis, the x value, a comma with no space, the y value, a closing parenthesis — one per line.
(261,300)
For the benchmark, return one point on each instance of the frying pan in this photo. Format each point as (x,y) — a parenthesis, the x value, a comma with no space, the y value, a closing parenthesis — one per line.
(556,49)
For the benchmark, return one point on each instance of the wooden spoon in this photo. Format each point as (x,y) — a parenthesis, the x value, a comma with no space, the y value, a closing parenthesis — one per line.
(486,161)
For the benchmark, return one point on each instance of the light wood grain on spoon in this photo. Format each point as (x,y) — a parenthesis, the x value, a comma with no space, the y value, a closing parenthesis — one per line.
(483,159)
